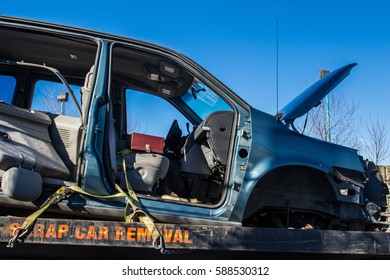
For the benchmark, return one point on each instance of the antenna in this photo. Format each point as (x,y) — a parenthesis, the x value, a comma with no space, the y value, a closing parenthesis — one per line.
(277,67)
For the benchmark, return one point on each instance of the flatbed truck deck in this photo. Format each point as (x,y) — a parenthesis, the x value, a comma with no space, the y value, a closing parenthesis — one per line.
(181,238)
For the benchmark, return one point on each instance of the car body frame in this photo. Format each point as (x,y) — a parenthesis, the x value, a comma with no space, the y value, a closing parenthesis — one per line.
(263,172)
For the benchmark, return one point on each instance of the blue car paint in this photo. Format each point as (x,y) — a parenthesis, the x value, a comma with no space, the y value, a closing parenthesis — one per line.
(275,145)
(270,144)
(95,179)
(313,95)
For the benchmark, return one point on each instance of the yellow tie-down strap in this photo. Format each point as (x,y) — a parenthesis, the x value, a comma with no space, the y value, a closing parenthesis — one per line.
(133,210)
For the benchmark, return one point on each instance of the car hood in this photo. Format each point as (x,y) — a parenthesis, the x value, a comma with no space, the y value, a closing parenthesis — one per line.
(313,95)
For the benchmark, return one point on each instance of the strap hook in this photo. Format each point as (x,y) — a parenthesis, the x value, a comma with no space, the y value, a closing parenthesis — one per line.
(18,235)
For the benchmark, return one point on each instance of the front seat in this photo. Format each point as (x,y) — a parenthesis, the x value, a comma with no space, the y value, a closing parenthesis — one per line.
(213,136)
(145,170)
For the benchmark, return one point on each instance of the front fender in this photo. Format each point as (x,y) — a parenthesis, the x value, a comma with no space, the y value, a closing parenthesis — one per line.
(275,146)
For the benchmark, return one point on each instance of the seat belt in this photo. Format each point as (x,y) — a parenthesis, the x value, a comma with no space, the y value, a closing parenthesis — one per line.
(133,210)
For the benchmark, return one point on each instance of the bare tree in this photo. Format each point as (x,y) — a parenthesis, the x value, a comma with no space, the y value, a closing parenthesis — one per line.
(334,122)
(133,125)
(376,147)
(47,99)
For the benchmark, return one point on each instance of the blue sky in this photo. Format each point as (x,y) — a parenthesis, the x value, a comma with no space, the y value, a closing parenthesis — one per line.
(235,41)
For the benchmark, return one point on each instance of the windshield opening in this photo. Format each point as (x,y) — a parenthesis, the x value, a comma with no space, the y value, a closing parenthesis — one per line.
(202,100)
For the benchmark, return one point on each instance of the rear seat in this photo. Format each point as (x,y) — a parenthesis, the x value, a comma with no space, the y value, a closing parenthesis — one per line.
(25,143)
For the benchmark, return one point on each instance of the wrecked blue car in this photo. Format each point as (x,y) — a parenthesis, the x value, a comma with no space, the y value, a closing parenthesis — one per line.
(73,100)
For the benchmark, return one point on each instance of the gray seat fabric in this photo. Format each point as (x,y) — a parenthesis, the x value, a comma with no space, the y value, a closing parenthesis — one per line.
(22,184)
(32,123)
(144,171)
(192,159)
(86,92)
(213,135)
(25,143)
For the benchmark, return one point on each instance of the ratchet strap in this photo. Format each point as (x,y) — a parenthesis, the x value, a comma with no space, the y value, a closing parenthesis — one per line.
(133,210)
(59,195)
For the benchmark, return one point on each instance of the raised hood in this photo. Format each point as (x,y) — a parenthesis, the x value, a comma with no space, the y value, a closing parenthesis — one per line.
(313,95)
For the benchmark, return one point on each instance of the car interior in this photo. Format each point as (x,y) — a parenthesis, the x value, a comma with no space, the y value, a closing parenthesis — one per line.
(42,134)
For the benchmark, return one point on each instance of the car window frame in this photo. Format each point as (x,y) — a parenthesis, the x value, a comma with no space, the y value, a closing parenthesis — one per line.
(2,74)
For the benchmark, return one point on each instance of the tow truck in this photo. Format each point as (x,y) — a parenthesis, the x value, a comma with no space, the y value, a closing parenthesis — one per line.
(96,127)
